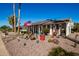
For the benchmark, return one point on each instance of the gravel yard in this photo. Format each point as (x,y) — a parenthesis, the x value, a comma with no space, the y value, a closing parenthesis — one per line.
(29,47)
(18,46)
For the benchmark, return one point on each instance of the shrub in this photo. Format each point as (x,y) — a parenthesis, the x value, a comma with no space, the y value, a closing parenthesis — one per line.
(76,27)
(45,31)
(50,40)
(6,28)
(37,41)
(32,37)
(61,52)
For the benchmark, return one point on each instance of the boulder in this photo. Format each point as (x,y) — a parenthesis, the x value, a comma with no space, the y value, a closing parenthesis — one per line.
(25,36)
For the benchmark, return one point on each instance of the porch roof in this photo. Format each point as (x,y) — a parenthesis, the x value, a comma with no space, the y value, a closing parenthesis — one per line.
(51,21)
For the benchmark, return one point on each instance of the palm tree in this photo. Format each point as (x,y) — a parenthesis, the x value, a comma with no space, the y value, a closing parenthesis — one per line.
(14,18)
(19,17)
(11,21)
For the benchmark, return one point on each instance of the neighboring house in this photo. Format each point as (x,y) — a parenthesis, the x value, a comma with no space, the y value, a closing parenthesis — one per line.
(52,25)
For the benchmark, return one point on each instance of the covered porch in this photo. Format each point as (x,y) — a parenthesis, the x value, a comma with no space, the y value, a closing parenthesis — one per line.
(59,27)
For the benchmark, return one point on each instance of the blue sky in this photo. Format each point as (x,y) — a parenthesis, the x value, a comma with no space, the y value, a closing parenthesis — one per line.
(40,11)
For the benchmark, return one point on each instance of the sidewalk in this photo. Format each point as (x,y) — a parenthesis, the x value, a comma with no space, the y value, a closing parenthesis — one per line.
(3,51)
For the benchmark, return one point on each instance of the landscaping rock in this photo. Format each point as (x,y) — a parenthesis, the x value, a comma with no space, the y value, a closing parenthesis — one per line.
(25,36)
(55,41)
(33,38)
(24,44)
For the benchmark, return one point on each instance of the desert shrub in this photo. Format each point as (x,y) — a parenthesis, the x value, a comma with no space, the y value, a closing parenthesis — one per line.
(49,40)
(45,31)
(76,27)
(24,31)
(37,41)
(6,28)
(32,37)
(61,52)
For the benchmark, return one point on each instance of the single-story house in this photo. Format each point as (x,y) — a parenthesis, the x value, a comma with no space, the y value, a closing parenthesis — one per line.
(53,25)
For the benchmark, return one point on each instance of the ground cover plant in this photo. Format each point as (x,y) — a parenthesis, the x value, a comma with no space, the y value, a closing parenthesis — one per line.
(61,52)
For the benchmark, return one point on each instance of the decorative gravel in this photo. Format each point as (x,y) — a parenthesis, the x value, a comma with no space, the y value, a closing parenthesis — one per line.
(17,46)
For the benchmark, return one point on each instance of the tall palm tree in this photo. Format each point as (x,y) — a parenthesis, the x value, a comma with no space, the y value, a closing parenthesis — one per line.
(19,17)
(14,17)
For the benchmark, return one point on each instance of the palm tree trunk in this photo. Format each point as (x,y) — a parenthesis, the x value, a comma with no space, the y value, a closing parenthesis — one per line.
(13,28)
(19,18)
(14,18)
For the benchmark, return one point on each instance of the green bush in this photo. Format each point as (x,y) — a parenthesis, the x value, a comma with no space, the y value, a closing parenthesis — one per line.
(6,28)
(50,40)
(76,27)
(45,31)
(61,52)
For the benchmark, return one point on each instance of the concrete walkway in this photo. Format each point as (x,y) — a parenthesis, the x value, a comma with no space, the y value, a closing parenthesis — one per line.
(3,50)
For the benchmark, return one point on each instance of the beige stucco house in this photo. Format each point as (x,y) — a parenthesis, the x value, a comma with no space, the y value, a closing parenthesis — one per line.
(53,25)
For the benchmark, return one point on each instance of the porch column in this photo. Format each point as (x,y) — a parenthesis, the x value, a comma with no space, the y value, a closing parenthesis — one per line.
(33,29)
(46,26)
(30,28)
(68,29)
(50,29)
(54,28)
(59,30)
(39,29)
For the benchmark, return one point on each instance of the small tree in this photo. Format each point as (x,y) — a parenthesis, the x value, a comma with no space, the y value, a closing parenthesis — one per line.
(11,21)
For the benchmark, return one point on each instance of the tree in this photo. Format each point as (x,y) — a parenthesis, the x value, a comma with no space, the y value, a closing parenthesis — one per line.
(14,17)
(11,21)
(6,28)
(76,27)
(19,17)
